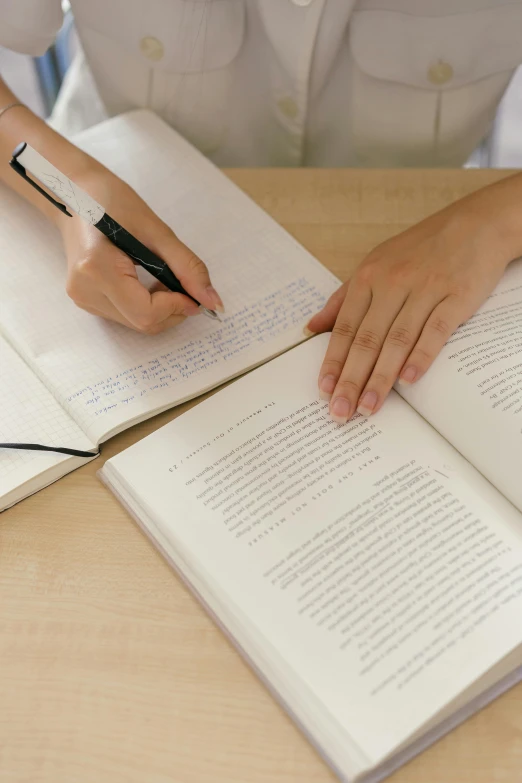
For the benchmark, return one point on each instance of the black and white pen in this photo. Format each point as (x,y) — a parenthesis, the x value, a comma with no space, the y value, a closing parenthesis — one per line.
(68,195)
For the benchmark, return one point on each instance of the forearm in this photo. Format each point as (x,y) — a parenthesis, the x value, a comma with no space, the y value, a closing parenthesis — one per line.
(20,124)
(497,209)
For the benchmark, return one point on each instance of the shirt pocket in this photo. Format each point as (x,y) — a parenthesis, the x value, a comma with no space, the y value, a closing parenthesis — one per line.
(425,89)
(176,57)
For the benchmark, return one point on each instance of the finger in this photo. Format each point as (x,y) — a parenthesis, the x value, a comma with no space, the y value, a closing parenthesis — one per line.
(399,342)
(190,271)
(157,286)
(169,323)
(143,309)
(324,320)
(107,311)
(364,353)
(355,306)
(439,327)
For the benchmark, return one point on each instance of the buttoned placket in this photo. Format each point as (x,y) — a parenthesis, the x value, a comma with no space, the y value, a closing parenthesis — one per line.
(439,74)
(295,108)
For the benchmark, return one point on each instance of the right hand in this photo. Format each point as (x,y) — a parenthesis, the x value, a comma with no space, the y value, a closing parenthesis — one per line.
(103,281)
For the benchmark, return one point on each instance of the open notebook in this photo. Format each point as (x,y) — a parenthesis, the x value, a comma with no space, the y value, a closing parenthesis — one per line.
(69,379)
(371,573)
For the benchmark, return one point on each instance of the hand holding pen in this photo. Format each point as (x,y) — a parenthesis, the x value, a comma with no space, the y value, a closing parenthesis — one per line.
(102,276)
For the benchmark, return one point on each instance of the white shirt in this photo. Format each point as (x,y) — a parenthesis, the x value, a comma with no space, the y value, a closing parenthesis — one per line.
(291,82)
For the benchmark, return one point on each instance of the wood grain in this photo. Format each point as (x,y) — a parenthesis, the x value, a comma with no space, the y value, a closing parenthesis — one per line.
(109,670)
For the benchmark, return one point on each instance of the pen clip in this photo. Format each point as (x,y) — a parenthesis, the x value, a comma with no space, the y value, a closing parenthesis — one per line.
(21,170)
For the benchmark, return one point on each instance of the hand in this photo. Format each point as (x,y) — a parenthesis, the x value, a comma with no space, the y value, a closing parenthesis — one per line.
(104,281)
(392,318)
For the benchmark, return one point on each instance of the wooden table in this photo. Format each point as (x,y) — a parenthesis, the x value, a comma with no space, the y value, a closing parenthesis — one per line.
(109,670)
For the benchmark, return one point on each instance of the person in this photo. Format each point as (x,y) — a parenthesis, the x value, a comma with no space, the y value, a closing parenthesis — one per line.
(292,83)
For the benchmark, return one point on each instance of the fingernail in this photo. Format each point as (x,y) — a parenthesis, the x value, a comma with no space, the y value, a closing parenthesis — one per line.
(308,332)
(340,410)
(327,386)
(408,376)
(191,309)
(367,403)
(215,299)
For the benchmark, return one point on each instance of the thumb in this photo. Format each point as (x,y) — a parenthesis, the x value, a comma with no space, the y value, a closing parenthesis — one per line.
(190,271)
(324,321)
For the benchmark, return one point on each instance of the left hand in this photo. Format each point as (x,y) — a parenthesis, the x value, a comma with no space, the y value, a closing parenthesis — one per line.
(402,304)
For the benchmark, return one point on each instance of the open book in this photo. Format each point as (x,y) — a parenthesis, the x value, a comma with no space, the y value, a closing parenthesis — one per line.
(68,379)
(371,573)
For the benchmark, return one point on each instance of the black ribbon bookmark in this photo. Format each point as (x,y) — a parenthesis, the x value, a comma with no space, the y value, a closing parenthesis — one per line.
(39,447)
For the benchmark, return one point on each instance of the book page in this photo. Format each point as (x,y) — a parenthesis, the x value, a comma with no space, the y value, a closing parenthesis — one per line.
(383,569)
(106,375)
(473,393)
(29,413)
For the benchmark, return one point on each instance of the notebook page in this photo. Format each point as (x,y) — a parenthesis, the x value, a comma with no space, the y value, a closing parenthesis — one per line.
(374,546)
(106,375)
(29,413)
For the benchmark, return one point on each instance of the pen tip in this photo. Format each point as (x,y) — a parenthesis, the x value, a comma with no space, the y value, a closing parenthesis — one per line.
(210,313)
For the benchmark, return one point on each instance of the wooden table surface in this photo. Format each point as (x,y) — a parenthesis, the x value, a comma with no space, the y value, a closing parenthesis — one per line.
(110,672)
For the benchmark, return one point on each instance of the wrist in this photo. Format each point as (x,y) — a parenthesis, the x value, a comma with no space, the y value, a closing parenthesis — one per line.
(497,210)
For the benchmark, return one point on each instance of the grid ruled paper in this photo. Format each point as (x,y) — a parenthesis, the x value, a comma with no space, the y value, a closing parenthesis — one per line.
(105,375)
(29,413)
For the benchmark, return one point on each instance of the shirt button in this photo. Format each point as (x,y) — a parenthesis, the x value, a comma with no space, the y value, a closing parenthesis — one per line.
(289,107)
(440,72)
(151,48)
